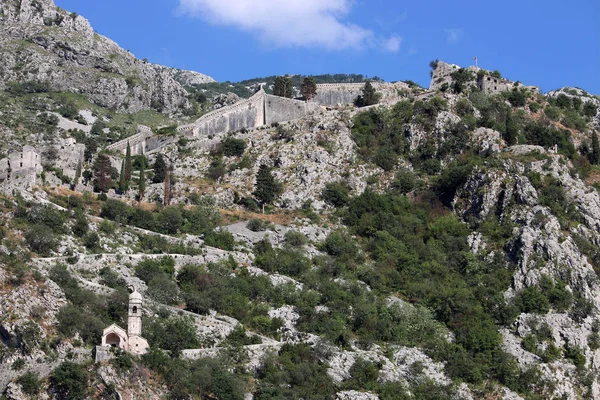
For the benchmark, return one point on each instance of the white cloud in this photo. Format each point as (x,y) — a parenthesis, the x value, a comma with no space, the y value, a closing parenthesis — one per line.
(453,35)
(392,44)
(288,23)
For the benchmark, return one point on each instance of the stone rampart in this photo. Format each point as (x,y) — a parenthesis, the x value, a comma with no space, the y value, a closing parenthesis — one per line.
(280,109)
(337,94)
(334,94)
(247,113)
(136,142)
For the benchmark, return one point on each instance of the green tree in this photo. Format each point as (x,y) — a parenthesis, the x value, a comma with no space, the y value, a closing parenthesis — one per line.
(267,188)
(283,87)
(122,181)
(102,171)
(70,381)
(142,183)
(308,90)
(128,166)
(511,132)
(595,155)
(160,169)
(369,96)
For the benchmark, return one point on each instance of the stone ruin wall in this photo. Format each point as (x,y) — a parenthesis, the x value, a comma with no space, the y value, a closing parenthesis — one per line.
(137,142)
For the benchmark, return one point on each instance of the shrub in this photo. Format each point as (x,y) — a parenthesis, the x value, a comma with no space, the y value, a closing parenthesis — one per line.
(552,112)
(295,239)
(339,244)
(364,375)
(173,334)
(69,381)
(405,181)
(169,220)
(532,300)
(30,383)
(590,109)
(163,290)
(257,225)
(336,194)
(220,239)
(115,210)
(233,147)
(517,98)
(91,240)
(148,269)
(41,239)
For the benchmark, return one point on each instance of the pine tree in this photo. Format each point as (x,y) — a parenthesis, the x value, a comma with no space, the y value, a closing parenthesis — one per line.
(511,131)
(142,183)
(308,90)
(283,87)
(595,157)
(267,188)
(160,169)
(369,96)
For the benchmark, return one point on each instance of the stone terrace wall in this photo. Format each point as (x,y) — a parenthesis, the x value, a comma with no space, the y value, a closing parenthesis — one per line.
(244,114)
(280,109)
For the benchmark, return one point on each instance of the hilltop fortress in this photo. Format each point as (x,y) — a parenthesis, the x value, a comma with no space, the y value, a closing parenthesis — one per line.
(261,109)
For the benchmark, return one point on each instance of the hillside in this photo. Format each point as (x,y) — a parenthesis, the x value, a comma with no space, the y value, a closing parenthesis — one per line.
(440,244)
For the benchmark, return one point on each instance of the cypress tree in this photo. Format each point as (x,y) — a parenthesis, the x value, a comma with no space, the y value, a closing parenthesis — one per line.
(283,87)
(122,181)
(511,130)
(167,189)
(142,183)
(77,175)
(128,165)
(595,158)
(160,169)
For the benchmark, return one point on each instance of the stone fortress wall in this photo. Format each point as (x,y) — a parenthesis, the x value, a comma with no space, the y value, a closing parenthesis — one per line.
(248,113)
(486,83)
(280,109)
(136,142)
(259,110)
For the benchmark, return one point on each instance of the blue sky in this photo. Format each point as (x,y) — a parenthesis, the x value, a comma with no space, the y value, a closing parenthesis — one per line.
(548,43)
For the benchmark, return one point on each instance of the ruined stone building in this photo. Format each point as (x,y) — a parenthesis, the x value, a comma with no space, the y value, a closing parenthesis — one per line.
(24,165)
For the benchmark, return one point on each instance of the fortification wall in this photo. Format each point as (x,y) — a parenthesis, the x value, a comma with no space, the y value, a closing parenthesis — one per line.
(136,142)
(247,113)
(334,94)
(279,109)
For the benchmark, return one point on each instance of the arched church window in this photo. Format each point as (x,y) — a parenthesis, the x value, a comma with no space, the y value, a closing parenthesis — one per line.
(135,309)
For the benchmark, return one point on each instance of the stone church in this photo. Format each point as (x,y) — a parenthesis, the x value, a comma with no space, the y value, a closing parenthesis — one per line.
(130,340)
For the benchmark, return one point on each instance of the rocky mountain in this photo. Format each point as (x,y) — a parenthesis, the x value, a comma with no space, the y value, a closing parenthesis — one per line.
(442,244)
(40,42)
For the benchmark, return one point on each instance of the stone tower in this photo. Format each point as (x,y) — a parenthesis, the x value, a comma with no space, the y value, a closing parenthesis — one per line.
(134,320)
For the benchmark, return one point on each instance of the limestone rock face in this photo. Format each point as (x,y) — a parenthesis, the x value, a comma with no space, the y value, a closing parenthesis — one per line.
(40,42)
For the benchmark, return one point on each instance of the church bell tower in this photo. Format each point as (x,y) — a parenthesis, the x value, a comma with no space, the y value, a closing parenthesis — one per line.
(134,320)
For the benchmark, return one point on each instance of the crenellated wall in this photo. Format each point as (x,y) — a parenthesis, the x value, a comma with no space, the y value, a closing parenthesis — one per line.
(337,94)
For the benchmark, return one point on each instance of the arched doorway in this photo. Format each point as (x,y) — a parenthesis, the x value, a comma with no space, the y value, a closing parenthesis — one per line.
(112,339)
